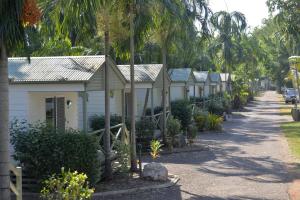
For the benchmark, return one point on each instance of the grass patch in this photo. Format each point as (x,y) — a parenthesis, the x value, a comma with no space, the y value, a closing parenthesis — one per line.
(286,110)
(292,133)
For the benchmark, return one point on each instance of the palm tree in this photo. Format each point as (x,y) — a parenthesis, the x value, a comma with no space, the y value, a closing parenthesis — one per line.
(229,26)
(168,18)
(165,19)
(13,20)
(137,24)
(97,14)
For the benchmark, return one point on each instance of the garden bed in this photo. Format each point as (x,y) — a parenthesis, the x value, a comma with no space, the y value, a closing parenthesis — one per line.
(125,184)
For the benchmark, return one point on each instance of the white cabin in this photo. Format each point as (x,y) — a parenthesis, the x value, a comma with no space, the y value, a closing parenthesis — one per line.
(149,86)
(182,83)
(65,91)
(225,82)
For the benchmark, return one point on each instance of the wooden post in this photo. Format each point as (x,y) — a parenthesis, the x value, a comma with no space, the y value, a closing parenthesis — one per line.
(123,138)
(132,84)
(152,104)
(146,102)
(19,183)
(84,111)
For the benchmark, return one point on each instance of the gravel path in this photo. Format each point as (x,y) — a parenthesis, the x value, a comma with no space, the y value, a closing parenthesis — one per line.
(248,161)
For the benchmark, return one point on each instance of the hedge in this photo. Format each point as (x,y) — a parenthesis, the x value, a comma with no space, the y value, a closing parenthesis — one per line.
(43,151)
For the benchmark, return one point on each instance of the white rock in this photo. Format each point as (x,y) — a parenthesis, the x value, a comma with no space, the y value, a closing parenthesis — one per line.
(155,171)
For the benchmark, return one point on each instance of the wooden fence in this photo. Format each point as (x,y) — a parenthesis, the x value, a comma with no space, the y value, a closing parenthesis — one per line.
(16,188)
(117,132)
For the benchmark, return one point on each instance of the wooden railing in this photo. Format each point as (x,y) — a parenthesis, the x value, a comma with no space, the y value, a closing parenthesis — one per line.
(16,188)
(117,132)
(202,104)
(157,119)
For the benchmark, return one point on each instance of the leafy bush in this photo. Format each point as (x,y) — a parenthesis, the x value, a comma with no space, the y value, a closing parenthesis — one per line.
(173,129)
(214,122)
(182,110)
(192,133)
(200,120)
(156,110)
(155,148)
(216,107)
(98,122)
(145,127)
(43,151)
(240,100)
(123,156)
(67,186)
(226,102)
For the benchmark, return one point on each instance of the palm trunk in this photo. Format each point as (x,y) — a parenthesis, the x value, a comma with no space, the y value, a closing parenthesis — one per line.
(164,61)
(4,136)
(108,167)
(133,109)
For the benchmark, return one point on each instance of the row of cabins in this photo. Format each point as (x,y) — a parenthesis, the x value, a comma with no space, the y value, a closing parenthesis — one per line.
(68,91)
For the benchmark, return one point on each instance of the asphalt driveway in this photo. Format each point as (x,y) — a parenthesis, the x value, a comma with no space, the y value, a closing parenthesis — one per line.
(247,161)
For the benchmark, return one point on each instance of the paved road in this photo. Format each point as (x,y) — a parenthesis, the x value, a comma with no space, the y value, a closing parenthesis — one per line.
(248,161)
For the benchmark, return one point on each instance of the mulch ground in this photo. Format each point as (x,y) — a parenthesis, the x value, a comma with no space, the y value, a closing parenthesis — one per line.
(123,182)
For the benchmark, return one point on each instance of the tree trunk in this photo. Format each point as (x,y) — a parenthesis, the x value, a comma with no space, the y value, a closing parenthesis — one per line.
(4,135)
(108,167)
(133,108)
(164,61)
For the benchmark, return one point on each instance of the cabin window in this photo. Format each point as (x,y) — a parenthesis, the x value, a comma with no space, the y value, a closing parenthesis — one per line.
(55,112)
(50,111)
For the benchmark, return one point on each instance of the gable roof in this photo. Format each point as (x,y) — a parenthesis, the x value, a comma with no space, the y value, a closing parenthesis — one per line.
(180,74)
(224,77)
(201,76)
(142,72)
(54,69)
(214,76)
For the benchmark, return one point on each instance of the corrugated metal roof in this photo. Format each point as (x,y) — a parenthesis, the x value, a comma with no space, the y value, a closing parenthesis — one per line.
(214,76)
(142,72)
(52,69)
(224,77)
(180,74)
(201,76)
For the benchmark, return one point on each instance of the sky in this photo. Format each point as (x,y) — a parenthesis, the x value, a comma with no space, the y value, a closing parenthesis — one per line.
(254,10)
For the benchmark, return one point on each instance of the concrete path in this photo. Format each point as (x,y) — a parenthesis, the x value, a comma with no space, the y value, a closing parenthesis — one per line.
(248,161)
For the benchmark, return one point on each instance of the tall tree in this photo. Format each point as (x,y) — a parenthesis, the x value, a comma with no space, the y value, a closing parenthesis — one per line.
(14,17)
(229,26)
(68,15)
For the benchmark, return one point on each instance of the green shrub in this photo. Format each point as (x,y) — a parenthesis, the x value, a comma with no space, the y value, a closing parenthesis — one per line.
(200,120)
(216,107)
(156,110)
(145,127)
(155,149)
(173,128)
(67,186)
(182,111)
(43,151)
(98,122)
(123,156)
(214,122)
(192,133)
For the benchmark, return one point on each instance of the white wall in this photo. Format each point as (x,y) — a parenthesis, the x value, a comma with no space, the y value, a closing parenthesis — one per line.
(177,92)
(18,103)
(206,91)
(37,107)
(96,104)
(191,90)
(141,95)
